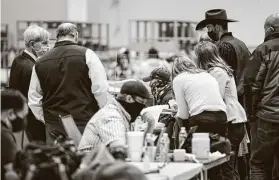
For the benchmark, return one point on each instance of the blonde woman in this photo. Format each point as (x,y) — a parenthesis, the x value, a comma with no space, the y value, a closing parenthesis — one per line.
(198,99)
(210,60)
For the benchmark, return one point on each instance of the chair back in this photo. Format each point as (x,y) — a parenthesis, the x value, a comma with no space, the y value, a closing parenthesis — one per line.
(71,128)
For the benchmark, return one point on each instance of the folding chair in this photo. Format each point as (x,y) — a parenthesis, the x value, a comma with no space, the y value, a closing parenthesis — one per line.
(71,128)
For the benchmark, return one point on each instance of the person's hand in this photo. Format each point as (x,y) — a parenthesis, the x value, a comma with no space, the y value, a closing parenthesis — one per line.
(147,117)
(173,105)
(118,149)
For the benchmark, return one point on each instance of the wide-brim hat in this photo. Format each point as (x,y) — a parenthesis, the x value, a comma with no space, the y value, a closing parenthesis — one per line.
(214,15)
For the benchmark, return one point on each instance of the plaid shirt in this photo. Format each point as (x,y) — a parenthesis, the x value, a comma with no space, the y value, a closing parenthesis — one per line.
(109,124)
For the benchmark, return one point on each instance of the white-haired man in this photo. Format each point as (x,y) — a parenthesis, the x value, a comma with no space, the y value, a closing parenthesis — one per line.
(36,42)
(69,79)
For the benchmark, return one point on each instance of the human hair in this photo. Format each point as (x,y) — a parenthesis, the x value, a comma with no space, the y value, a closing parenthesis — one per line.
(66,29)
(153,53)
(35,33)
(205,37)
(48,161)
(184,64)
(209,57)
(12,99)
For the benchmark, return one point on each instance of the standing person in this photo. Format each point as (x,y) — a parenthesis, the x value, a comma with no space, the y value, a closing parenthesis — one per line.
(36,42)
(197,104)
(231,49)
(153,62)
(203,107)
(123,68)
(70,79)
(210,60)
(14,109)
(263,81)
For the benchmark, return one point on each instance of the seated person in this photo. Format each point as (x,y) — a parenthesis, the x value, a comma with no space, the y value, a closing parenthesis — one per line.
(160,85)
(110,124)
(161,90)
(13,112)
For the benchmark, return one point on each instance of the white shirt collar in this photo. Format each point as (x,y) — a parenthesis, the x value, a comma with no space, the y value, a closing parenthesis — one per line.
(30,54)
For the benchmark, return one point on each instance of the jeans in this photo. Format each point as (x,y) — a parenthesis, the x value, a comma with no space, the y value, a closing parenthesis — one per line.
(236,134)
(263,158)
(253,136)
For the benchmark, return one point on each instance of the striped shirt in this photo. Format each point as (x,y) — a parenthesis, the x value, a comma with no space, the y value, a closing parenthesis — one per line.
(109,124)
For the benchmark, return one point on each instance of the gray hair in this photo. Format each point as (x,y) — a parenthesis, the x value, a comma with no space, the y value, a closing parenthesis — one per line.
(35,33)
(66,29)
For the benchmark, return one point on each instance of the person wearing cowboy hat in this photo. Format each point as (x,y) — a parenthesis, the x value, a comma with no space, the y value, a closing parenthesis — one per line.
(232,50)
(263,86)
(236,54)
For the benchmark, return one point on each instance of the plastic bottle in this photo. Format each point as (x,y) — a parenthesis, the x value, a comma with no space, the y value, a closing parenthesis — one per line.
(148,151)
(201,145)
(149,147)
(164,148)
(182,136)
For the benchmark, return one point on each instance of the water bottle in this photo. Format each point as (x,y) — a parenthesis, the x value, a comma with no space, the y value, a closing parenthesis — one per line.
(182,136)
(164,148)
(149,147)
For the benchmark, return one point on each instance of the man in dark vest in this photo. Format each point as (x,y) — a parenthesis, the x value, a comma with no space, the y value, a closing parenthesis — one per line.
(36,42)
(236,54)
(69,79)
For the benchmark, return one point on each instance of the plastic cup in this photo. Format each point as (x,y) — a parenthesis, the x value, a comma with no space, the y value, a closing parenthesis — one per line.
(135,156)
(135,140)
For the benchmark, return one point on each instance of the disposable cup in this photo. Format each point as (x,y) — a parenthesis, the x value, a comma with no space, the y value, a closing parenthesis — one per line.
(135,156)
(135,140)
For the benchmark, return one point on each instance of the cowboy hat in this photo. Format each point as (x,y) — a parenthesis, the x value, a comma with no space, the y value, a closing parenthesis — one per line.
(214,15)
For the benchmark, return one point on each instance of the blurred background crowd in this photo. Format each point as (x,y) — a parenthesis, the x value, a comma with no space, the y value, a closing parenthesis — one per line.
(107,26)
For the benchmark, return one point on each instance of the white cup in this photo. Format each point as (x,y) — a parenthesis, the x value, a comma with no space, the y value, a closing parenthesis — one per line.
(135,140)
(135,156)
(179,155)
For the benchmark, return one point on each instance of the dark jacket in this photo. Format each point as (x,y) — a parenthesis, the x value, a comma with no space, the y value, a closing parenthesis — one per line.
(66,86)
(8,147)
(236,54)
(21,71)
(20,76)
(262,80)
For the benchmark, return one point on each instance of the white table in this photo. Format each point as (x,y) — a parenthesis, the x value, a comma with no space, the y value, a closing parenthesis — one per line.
(172,171)
(215,163)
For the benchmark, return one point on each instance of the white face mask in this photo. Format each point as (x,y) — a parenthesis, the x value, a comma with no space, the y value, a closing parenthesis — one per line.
(40,50)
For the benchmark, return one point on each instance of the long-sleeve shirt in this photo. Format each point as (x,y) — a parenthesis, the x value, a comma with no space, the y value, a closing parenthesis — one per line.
(97,75)
(195,93)
(235,112)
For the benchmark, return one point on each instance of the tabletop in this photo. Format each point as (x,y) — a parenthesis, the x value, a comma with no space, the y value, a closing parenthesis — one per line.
(173,170)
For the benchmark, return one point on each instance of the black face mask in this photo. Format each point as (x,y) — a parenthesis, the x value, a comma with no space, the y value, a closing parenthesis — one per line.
(133,109)
(18,124)
(213,35)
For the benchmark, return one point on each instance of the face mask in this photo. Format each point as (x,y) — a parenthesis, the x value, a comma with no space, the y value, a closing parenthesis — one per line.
(41,50)
(18,124)
(133,109)
(213,35)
